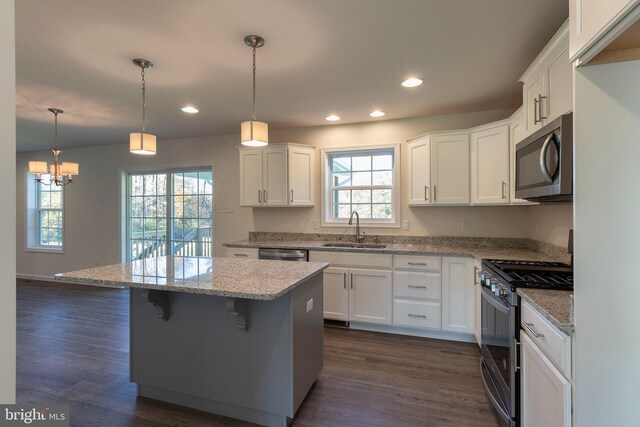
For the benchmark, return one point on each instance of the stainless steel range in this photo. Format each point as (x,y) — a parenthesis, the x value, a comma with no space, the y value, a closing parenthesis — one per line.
(500,324)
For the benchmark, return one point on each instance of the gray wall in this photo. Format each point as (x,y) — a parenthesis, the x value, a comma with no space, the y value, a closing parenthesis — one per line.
(7,215)
(607,244)
(93,203)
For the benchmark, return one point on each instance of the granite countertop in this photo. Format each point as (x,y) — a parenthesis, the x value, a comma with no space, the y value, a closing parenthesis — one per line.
(477,251)
(229,277)
(553,305)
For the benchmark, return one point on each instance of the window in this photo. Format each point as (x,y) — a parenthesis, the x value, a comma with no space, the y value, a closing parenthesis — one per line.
(364,181)
(45,215)
(169,213)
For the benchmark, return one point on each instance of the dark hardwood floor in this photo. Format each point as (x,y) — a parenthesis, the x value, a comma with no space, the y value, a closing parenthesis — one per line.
(73,349)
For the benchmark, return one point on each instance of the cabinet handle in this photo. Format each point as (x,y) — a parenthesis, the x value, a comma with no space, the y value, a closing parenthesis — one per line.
(435,193)
(292,195)
(540,118)
(426,190)
(529,327)
(504,190)
(264,195)
(344,280)
(420,316)
(351,281)
(243,255)
(475,276)
(417,263)
(417,287)
(535,111)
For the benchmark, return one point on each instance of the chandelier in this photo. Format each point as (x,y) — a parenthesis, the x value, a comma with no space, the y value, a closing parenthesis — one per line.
(142,142)
(60,174)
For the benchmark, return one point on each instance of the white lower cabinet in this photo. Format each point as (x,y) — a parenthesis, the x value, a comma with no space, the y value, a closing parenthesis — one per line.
(336,293)
(458,311)
(545,397)
(370,295)
(356,294)
(420,314)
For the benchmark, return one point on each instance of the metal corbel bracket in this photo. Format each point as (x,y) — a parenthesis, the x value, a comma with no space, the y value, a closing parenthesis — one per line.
(239,307)
(159,299)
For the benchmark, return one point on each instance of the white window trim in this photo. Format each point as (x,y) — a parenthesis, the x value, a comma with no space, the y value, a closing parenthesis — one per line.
(32,229)
(325,217)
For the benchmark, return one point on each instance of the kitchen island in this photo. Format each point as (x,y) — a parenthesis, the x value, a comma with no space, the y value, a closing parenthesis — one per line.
(240,338)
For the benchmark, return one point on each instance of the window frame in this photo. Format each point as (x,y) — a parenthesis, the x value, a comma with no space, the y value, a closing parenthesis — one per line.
(327,219)
(33,232)
(126,204)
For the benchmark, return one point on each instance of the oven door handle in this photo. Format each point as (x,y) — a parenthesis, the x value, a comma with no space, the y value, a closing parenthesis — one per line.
(498,305)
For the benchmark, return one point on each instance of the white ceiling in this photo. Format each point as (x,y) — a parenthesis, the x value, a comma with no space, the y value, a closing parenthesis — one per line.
(345,57)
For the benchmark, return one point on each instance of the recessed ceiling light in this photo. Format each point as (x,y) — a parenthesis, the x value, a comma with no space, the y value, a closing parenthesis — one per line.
(412,82)
(377,113)
(333,118)
(190,109)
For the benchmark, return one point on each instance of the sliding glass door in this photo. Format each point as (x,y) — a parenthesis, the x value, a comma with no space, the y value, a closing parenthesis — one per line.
(170,213)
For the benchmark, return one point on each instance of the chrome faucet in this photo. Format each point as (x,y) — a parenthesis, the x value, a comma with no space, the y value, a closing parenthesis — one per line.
(359,237)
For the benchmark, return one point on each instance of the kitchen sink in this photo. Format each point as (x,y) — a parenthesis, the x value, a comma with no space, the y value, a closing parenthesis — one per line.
(355,245)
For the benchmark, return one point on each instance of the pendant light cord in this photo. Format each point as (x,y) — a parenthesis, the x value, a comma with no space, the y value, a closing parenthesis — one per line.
(144,100)
(55,132)
(254,83)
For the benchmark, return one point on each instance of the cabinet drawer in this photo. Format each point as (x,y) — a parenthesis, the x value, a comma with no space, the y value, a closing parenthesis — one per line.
(246,253)
(417,262)
(553,342)
(351,259)
(417,314)
(416,284)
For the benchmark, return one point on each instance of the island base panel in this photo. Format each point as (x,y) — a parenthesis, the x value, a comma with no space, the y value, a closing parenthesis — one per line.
(200,358)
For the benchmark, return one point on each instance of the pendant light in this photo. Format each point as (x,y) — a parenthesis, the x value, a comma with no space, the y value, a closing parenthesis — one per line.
(254,133)
(61,174)
(141,142)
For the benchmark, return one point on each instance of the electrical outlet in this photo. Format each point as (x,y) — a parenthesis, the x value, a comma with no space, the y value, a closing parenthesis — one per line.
(299,224)
(224,208)
(466,225)
(310,305)
(316,223)
(405,224)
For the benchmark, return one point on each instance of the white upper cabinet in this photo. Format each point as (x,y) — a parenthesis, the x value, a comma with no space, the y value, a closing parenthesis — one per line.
(516,134)
(490,164)
(593,22)
(547,83)
(450,168)
(420,172)
(301,173)
(277,175)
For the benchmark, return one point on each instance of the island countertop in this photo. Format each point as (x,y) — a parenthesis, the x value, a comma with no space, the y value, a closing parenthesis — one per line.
(228,277)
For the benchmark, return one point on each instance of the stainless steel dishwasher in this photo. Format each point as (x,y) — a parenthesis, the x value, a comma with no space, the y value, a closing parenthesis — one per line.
(284,254)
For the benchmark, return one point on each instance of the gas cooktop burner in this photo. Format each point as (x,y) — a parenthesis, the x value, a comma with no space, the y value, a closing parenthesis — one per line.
(533,274)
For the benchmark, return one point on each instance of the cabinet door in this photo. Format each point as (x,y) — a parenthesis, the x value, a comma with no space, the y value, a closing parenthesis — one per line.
(370,296)
(545,394)
(336,293)
(457,294)
(532,89)
(301,173)
(477,302)
(557,80)
(590,19)
(250,177)
(420,172)
(517,134)
(450,169)
(490,166)
(275,176)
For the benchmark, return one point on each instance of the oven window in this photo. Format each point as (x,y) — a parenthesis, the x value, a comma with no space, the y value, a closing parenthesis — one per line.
(496,326)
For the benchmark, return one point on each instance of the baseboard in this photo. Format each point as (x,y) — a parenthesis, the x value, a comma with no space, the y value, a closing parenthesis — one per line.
(414,332)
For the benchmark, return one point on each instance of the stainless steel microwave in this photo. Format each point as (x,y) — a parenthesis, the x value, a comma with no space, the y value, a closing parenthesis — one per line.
(544,163)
